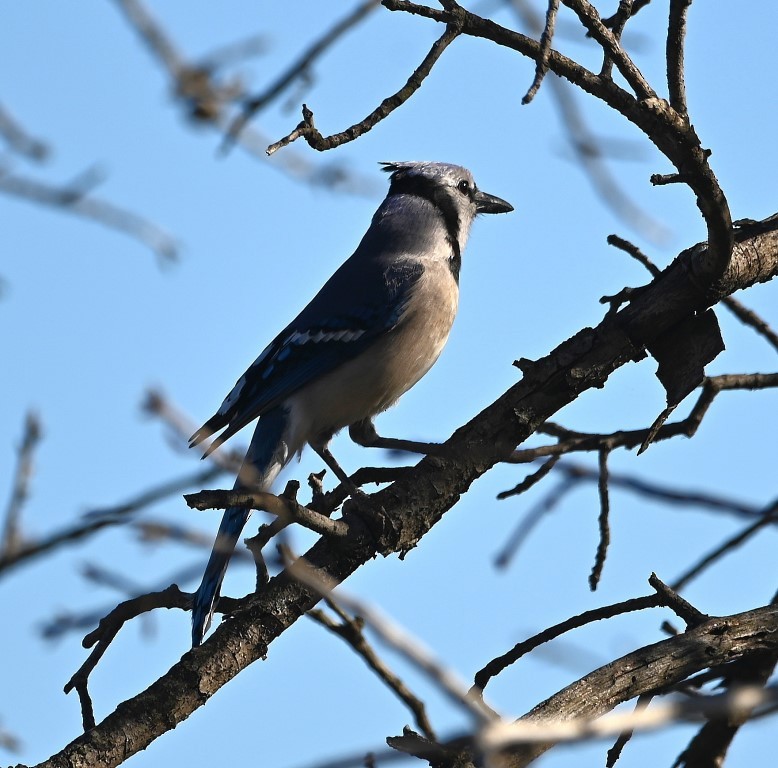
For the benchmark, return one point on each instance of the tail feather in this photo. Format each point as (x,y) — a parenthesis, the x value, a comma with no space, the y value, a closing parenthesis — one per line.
(208,593)
(266,456)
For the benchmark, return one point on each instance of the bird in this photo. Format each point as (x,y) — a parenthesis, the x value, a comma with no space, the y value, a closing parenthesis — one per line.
(371,332)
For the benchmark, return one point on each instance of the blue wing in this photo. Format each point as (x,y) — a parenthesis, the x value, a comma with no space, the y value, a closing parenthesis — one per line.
(341,321)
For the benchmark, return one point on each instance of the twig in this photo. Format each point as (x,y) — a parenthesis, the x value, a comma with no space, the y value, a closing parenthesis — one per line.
(614,753)
(101,638)
(499,664)
(282,507)
(636,6)
(711,387)
(297,69)
(12,539)
(612,47)
(683,609)
(635,252)
(616,24)
(541,64)
(317,141)
(750,318)
(530,480)
(602,520)
(350,629)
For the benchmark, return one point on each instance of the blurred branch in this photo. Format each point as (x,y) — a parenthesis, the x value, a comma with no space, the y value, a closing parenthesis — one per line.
(97,519)
(9,741)
(12,539)
(209,100)
(530,737)
(408,646)
(19,140)
(75,200)
(350,629)
(31,550)
(710,745)
(767,517)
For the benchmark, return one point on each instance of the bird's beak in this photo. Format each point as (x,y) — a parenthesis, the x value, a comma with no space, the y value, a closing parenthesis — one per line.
(485,203)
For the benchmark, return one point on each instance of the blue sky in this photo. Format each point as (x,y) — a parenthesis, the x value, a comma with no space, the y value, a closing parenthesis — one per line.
(91,321)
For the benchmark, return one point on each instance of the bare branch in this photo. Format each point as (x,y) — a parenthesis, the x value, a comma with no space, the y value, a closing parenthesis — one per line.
(307,130)
(711,387)
(636,6)
(682,608)
(541,65)
(676,33)
(498,665)
(101,638)
(602,520)
(615,751)
(611,45)
(282,507)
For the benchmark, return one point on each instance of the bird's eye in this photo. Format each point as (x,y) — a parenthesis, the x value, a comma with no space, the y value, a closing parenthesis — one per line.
(464,187)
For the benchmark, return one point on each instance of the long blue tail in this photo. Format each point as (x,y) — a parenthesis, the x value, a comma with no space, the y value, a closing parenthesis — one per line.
(265,458)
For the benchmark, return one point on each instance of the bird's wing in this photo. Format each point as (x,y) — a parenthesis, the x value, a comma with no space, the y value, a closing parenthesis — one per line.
(340,322)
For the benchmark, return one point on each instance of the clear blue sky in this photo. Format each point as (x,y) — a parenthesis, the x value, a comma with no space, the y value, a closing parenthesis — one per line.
(90,322)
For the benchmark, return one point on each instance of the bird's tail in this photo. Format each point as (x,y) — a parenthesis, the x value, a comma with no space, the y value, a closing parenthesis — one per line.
(266,456)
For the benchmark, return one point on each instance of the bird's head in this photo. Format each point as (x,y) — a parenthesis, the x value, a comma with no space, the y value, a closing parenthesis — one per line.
(451,188)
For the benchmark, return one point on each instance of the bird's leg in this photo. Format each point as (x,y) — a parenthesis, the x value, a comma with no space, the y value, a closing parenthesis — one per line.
(327,457)
(364,433)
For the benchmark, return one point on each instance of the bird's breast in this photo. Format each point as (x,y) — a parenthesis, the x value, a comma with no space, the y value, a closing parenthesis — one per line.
(372,382)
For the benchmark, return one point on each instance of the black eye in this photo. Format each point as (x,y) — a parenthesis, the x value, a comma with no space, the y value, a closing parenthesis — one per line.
(464,187)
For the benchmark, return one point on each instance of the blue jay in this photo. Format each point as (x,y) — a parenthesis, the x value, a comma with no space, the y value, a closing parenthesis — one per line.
(372,331)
